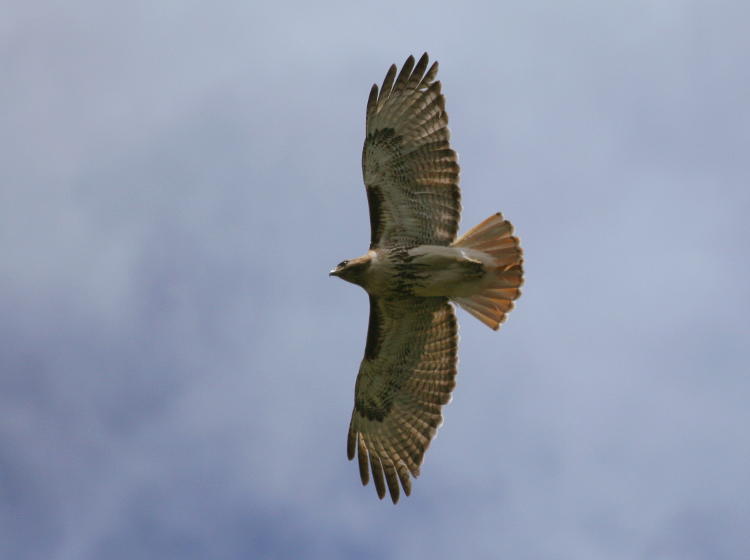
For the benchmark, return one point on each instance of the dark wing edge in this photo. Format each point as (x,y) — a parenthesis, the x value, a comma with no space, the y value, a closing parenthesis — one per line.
(406,376)
(410,172)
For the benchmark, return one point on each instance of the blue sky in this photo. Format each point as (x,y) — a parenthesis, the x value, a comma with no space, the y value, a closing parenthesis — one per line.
(177,368)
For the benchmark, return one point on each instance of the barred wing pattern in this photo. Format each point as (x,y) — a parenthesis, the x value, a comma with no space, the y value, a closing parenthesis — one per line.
(409,169)
(407,374)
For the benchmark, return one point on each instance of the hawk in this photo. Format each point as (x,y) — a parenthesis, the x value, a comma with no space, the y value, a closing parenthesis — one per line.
(415,267)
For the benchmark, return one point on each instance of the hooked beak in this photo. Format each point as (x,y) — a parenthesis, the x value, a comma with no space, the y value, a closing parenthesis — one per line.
(333,272)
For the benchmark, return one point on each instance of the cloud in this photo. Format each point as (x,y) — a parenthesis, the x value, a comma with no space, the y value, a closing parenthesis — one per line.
(178,369)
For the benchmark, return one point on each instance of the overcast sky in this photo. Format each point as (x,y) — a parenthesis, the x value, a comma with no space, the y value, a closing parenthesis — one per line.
(177,368)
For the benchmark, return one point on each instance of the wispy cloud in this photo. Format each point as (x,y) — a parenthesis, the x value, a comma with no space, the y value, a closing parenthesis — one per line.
(177,369)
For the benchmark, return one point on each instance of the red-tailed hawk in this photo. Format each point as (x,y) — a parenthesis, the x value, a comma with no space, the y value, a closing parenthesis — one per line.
(415,267)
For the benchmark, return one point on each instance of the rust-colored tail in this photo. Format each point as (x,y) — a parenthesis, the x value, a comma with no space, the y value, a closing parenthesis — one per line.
(494,236)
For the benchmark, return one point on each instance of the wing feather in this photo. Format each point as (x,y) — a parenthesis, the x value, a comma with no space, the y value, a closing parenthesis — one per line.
(410,171)
(377,474)
(404,75)
(364,471)
(417,74)
(388,81)
(403,382)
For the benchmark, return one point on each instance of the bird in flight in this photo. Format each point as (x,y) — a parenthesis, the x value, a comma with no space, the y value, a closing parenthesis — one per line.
(415,267)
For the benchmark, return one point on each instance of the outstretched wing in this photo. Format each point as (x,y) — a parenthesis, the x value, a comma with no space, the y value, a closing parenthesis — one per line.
(407,374)
(410,171)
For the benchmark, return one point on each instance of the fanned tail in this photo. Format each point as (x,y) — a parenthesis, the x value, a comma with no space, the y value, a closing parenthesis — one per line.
(494,237)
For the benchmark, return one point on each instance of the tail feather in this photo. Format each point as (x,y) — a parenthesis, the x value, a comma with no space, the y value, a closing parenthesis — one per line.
(494,237)
(488,316)
(496,244)
(494,227)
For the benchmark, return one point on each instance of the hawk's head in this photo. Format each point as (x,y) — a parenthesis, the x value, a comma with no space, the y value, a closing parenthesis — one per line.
(353,270)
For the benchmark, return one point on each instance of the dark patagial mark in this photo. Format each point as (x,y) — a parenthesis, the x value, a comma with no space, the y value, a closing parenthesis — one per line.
(374,330)
(375,202)
(385,138)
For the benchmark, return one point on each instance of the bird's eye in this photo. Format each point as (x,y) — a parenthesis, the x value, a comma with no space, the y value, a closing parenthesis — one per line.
(342,264)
